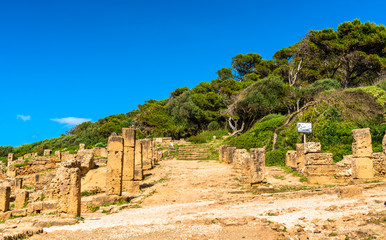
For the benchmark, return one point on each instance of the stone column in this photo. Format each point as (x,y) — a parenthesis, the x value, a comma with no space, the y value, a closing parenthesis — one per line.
(21,198)
(11,158)
(114,166)
(257,166)
(362,153)
(69,188)
(384,144)
(290,159)
(245,167)
(145,154)
(81,146)
(18,183)
(5,193)
(221,152)
(128,183)
(138,173)
(239,155)
(58,155)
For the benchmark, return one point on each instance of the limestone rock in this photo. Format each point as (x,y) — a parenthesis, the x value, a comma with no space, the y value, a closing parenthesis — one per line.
(86,160)
(361,146)
(222,152)
(379,164)
(257,165)
(319,159)
(312,147)
(290,159)
(363,168)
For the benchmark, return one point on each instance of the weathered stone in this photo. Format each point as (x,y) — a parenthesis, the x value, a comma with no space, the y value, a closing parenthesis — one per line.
(18,183)
(312,147)
(11,158)
(320,179)
(19,212)
(5,192)
(86,159)
(361,146)
(319,159)
(320,170)
(138,172)
(349,191)
(128,135)
(222,152)
(100,151)
(69,186)
(238,157)
(47,152)
(344,167)
(257,165)
(131,187)
(229,154)
(81,146)
(146,159)
(5,215)
(21,198)
(379,164)
(290,159)
(58,154)
(35,207)
(300,158)
(363,168)
(114,166)
(128,163)
(245,166)
(384,143)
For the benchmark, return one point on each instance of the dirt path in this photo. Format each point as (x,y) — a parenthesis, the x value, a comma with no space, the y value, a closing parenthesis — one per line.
(204,200)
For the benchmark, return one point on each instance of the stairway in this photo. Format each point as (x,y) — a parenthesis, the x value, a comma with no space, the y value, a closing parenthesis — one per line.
(194,152)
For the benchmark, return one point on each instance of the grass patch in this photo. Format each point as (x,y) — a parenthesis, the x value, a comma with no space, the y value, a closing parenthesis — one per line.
(94,208)
(89,193)
(282,177)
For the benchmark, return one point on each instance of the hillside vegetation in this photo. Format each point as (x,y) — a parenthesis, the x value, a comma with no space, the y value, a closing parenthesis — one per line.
(332,78)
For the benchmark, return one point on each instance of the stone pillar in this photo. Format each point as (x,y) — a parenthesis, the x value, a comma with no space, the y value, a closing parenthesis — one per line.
(290,159)
(238,157)
(229,154)
(384,143)
(114,166)
(69,186)
(11,158)
(21,198)
(257,165)
(128,135)
(221,152)
(5,193)
(362,154)
(81,146)
(145,154)
(300,159)
(138,173)
(18,183)
(245,166)
(312,147)
(58,155)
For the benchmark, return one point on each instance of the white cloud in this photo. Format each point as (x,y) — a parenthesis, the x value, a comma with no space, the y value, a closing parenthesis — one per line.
(71,121)
(23,117)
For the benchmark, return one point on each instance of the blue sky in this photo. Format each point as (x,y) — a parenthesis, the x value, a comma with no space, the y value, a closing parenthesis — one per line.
(64,62)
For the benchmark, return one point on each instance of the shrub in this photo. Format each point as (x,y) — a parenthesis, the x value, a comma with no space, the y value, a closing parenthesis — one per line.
(197,139)
(276,157)
(213,126)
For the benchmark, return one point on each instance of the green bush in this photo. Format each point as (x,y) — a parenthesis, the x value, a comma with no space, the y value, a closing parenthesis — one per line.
(276,157)
(213,126)
(382,85)
(197,139)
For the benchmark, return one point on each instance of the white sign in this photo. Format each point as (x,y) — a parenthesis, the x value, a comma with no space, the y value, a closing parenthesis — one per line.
(304,127)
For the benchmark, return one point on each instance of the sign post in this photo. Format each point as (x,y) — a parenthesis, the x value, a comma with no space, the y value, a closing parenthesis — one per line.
(304,127)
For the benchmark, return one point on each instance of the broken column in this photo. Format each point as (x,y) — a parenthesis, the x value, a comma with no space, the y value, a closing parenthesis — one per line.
(114,166)
(384,144)
(58,155)
(145,154)
(81,146)
(138,172)
(257,165)
(320,168)
(86,159)
(290,159)
(5,193)
(238,157)
(245,167)
(128,183)
(21,198)
(229,152)
(18,183)
(11,158)
(362,153)
(69,188)
(221,152)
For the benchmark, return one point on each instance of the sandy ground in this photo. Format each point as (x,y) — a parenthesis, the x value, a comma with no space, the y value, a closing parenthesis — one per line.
(205,200)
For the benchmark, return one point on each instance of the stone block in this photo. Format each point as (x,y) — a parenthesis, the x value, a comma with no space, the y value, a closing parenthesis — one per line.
(69,191)
(312,147)
(257,165)
(50,206)
(349,191)
(11,157)
(229,154)
(290,159)
(5,215)
(384,144)
(82,146)
(128,163)
(5,193)
(320,179)
(319,159)
(138,171)
(300,158)
(58,155)
(131,187)
(361,146)
(146,156)
(379,164)
(238,157)
(245,166)
(21,198)
(86,159)
(128,135)
(47,152)
(363,168)
(344,167)
(19,212)
(115,144)
(18,183)
(320,170)
(35,207)
(222,152)
(114,173)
